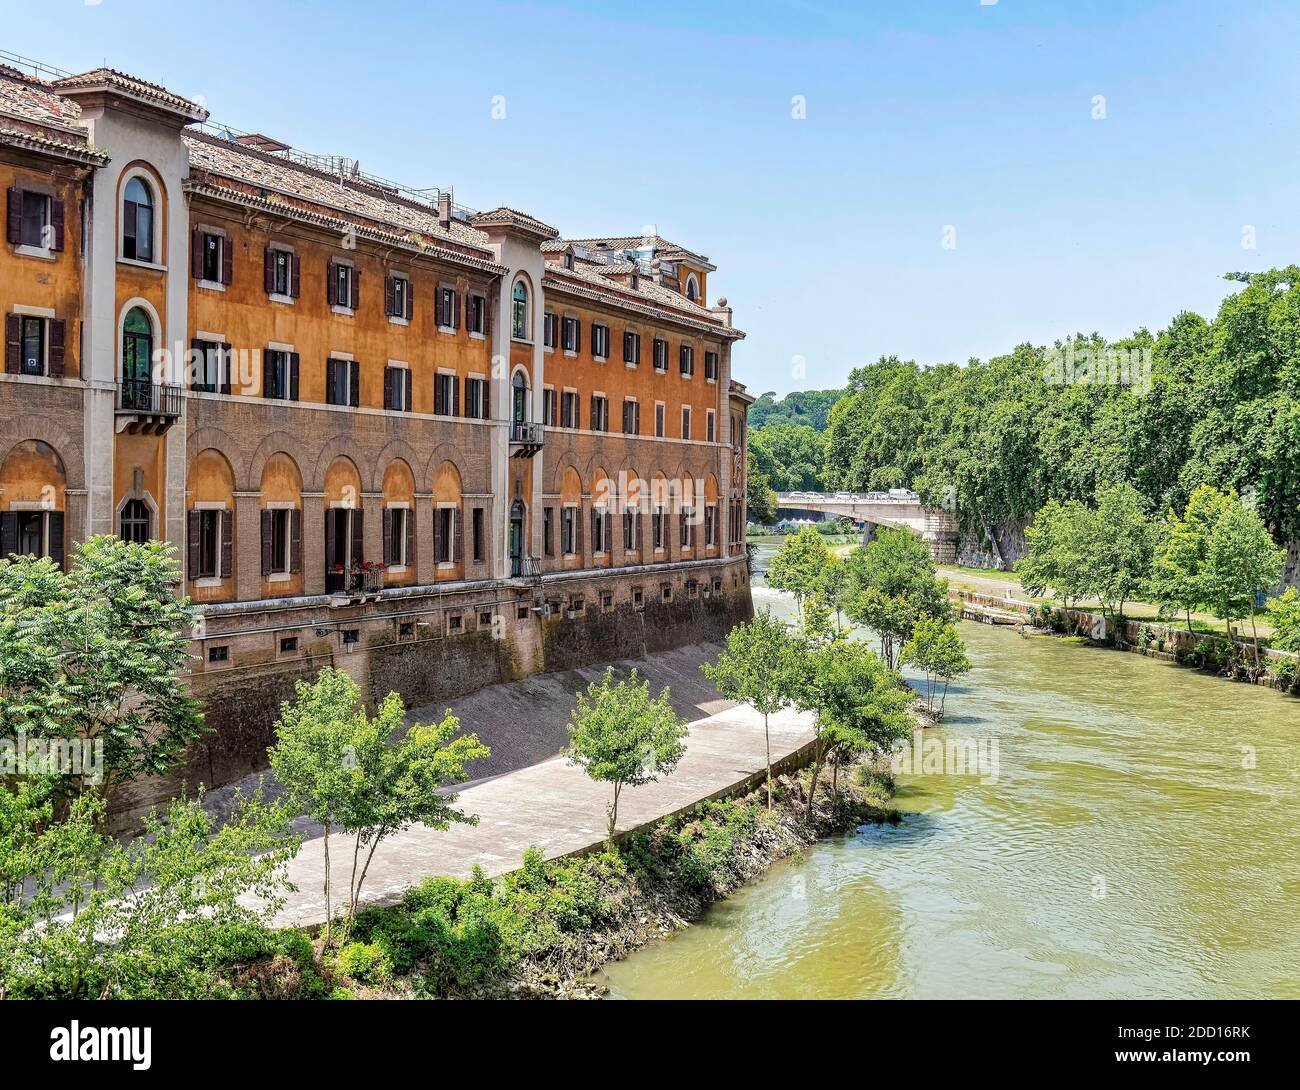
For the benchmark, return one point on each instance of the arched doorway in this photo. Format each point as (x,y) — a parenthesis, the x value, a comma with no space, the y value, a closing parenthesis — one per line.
(517,518)
(137,360)
(519,392)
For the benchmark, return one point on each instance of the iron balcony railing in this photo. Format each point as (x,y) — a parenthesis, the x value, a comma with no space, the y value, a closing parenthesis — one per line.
(143,396)
(525,567)
(528,432)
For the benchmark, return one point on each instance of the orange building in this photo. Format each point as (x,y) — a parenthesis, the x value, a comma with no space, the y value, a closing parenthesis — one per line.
(380,429)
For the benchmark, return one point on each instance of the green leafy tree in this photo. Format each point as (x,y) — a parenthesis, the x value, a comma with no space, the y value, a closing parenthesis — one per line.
(1122,552)
(1284,616)
(891,584)
(1059,540)
(1180,581)
(800,564)
(760,500)
(623,736)
(1242,565)
(755,669)
(937,649)
(789,455)
(99,654)
(364,776)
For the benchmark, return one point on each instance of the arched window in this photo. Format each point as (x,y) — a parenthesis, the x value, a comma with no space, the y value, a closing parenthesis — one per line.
(519,311)
(137,359)
(137,221)
(519,403)
(692,288)
(135,522)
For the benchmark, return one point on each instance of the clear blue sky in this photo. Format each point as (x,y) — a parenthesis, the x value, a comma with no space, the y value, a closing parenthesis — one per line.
(826,231)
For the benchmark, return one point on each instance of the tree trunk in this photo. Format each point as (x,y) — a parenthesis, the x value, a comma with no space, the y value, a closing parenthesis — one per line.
(944,698)
(355,891)
(329,914)
(1254,633)
(613,813)
(767,746)
(812,786)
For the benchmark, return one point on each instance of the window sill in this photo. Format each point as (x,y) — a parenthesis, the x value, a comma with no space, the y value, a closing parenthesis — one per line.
(446,565)
(141,264)
(206,582)
(711,381)
(475,336)
(570,354)
(397,569)
(549,348)
(278,577)
(346,312)
(600,359)
(42,253)
(394,319)
(629,365)
(447,329)
(521,340)
(276,297)
(211,285)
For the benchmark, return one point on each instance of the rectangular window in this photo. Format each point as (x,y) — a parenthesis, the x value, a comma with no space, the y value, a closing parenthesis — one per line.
(282,273)
(210,367)
(209,544)
(341,381)
(572,330)
(599,413)
(548,329)
(600,341)
(660,413)
(35,221)
(478,535)
(477,321)
(548,407)
(476,406)
(710,425)
(397,389)
(218,654)
(710,525)
(657,527)
(444,519)
(444,395)
(686,421)
(688,527)
(631,347)
(569,531)
(33,345)
(351,636)
(661,354)
(396,532)
(344,286)
(447,308)
(631,416)
(280,370)
(686,360)
(212,248)
(454,623)
(711,366)
(548,535)
(569,410)
(288,644)
(279,544)
(597,530)
(397,298)
(630,531)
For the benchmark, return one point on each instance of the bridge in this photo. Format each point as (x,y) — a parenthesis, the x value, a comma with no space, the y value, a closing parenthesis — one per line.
(867,510)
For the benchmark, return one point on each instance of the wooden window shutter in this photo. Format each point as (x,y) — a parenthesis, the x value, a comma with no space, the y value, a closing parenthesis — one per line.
(458,536)
(270,372)
(227,261)
(227,544)
(356,289)
(331,529)
(295,541)
(13,343)
(609,529)
(388,296)
(487,401)
(595,413)
(388,388)
(293,376)
(196,253)
(58,342)
(487,316)
(455,397)
(407,403)
(227,358)
(354,383)
(469,401)
(437,535)
(56,537)
(331,285)
(193,530)
(295,266)
(388,536)
(577,530)
(469,318)
(268,557)
(14,225)
(358,539)
(268,270)
(8,533)
(58,214)
(410,537)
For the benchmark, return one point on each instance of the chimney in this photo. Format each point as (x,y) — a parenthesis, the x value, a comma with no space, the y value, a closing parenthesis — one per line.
(444,209)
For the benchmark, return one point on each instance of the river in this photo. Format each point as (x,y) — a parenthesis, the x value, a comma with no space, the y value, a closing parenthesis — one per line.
(1141,840)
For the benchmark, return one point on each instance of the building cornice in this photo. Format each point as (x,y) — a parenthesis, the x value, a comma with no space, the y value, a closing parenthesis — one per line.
(623,302)
(44,145)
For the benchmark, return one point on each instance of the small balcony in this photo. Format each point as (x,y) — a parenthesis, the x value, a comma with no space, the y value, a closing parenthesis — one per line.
(525,438)
(147,408)
(526,567)
(355,584)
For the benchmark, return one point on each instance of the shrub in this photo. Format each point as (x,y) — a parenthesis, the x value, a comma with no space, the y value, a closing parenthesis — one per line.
(365,962)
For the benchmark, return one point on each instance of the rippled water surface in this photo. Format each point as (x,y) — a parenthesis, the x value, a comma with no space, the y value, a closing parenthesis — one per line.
(1124,851)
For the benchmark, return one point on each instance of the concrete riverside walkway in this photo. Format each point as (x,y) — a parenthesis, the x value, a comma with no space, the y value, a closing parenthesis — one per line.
(552,805)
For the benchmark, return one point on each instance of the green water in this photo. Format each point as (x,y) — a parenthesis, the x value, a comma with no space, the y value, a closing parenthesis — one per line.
(1124,851)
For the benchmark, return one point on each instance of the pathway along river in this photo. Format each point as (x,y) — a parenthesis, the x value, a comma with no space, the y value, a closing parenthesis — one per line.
(1124,851)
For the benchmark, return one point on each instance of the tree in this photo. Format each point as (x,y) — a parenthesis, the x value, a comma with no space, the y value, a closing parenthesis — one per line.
(754,669)
(800,564)
(99,654)
(1179,583)
(760,500)
(1284,616)
(789,455)
(623,736)
(891,584)
(348,771)
(86,916)
(1058,540)
(859,704)
(1242,565)
(938,650)
(1122,551)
